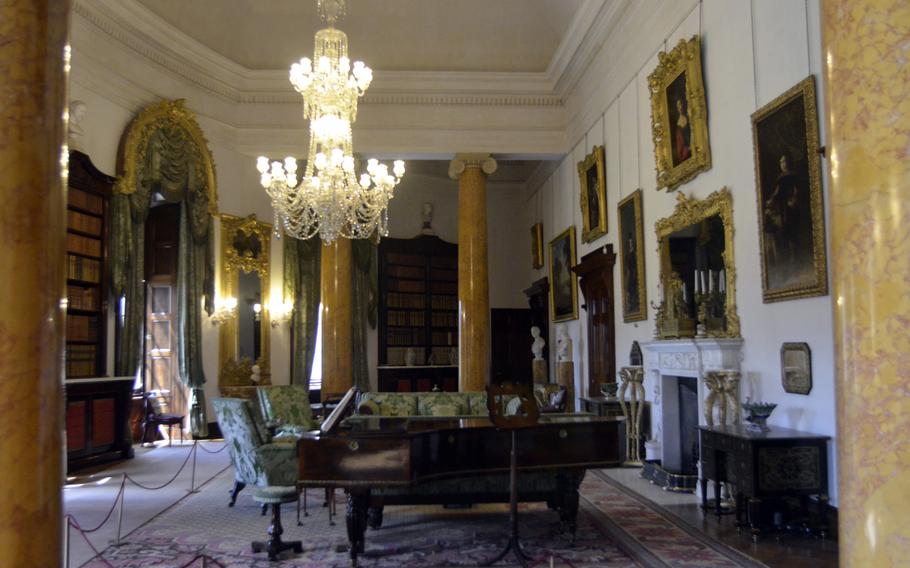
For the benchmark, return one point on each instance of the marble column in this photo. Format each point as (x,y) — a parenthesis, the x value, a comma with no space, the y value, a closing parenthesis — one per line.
(32,232)
(867,87)
(471,171)
(337,322)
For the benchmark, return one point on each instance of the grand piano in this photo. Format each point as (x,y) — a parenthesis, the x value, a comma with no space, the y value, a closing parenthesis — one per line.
(384,460)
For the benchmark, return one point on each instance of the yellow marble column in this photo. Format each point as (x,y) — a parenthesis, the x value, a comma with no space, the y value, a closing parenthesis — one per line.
(868,116)
(337,322)
(471,171)
(32,232)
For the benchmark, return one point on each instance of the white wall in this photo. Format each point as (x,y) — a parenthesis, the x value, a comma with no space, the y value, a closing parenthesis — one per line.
(752,52)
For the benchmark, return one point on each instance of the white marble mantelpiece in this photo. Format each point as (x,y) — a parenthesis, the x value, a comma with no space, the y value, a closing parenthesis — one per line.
(667,360)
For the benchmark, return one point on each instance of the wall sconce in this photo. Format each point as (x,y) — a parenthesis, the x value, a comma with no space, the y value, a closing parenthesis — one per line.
(257,312)
(280,312)
(225,310)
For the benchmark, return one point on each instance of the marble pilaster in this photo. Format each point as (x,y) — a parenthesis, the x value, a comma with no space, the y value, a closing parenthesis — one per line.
(867,90)
(337,318)
(32,289)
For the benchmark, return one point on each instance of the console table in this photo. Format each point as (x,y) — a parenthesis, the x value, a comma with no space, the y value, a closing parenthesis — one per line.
(764,465)
(609,407)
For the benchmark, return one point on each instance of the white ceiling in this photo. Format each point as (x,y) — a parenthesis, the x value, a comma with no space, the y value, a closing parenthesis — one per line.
(390,35)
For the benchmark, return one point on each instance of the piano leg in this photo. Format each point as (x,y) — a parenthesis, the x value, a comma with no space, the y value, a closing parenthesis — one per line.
(357,520)
(568,505)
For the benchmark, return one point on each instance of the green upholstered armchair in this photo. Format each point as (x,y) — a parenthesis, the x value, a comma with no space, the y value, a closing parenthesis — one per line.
(256,459)
(287,406)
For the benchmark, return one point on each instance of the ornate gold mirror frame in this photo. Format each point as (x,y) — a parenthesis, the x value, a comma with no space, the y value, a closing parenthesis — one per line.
(689,212)
(245,231)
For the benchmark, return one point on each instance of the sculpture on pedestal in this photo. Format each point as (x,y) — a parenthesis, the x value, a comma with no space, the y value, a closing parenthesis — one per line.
(538,364)
(565,368)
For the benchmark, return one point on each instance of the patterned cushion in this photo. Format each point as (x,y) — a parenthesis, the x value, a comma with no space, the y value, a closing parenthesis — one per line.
(368,407)
(452,403)
(477,403)
(393,404)
(287,405)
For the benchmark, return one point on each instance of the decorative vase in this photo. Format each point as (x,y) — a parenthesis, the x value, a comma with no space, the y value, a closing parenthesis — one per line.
(608,389)
(757,414)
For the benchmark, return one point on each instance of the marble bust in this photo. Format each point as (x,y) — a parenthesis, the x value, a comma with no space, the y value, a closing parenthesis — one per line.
(563,345)
(538,344)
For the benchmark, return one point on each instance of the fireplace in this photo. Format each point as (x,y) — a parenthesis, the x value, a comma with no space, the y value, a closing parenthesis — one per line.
(674,371)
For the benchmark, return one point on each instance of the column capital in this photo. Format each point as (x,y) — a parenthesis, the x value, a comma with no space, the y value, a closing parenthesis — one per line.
(463,161)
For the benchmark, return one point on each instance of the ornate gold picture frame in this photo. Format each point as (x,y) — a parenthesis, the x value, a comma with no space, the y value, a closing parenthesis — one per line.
(245,258)
(679,115)
(537,246)
(791,217)
(563,289)
(632,258)
(592,178)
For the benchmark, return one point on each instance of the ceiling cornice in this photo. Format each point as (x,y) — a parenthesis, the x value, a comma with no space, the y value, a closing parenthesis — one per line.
(141,30)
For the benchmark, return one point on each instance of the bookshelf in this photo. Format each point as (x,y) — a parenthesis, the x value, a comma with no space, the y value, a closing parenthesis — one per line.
(86,268)
(418,314)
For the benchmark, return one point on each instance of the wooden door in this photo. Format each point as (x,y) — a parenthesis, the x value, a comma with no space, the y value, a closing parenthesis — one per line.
(511,345)
(596,273)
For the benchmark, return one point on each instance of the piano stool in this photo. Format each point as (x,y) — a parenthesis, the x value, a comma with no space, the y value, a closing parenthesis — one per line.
(274,496)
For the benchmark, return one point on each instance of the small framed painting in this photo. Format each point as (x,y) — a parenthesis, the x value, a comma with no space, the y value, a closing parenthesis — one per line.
(537,246)
(592,178)
(632,258)
(563,291)
(791,216)
(679,115)
(796,368)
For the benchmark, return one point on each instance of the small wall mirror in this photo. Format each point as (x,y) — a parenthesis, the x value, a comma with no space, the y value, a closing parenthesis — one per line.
(244,337)
(697,272)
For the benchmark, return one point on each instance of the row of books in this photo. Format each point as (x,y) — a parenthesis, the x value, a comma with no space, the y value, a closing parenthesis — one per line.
(446,275)
(404,336)
(405,318)
(408,259)
(83,222)
(444,262)
(444,302)
(445,338)
(81,328)
(406,285)
(444,287)
(80,369)
(83,245)
(80,298)
(394,300)
(406,271)
(87,269)
(444,319)
(86,200)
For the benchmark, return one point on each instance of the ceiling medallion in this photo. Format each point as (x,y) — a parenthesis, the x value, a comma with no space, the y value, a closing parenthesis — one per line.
(329,199)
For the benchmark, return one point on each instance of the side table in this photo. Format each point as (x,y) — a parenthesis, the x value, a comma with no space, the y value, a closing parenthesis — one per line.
(764,465)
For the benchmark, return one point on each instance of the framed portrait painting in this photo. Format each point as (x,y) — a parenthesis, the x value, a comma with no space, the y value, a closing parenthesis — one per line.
(679,115)
(788,186)
(563,291)
(632,258)
(592,178)
(537,246)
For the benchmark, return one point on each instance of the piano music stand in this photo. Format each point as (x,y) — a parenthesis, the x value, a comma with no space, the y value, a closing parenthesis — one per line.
(526,414)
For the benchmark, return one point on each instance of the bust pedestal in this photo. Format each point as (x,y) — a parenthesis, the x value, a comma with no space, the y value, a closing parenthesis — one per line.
(539,371)
(565,376)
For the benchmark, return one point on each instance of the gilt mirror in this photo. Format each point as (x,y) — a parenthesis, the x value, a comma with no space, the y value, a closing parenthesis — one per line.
(697,272)
(244,337)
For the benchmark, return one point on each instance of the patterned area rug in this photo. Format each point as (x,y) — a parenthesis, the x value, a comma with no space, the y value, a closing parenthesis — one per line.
(649,533)
(615,530)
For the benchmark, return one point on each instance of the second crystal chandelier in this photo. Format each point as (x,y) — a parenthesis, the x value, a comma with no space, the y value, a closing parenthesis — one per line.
(329,199)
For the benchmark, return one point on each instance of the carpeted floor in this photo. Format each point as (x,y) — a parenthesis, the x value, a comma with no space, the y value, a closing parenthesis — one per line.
(615,529)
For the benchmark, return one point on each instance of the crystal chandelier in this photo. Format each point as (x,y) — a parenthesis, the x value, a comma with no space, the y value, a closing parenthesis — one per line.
(330,199)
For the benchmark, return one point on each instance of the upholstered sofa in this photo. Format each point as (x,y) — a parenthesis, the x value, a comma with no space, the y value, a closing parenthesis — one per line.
(287,409)
(558,488)
(550,398)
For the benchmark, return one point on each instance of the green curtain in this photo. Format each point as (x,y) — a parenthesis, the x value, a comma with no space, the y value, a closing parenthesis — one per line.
(365,292)
(301,284)
(171,167)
